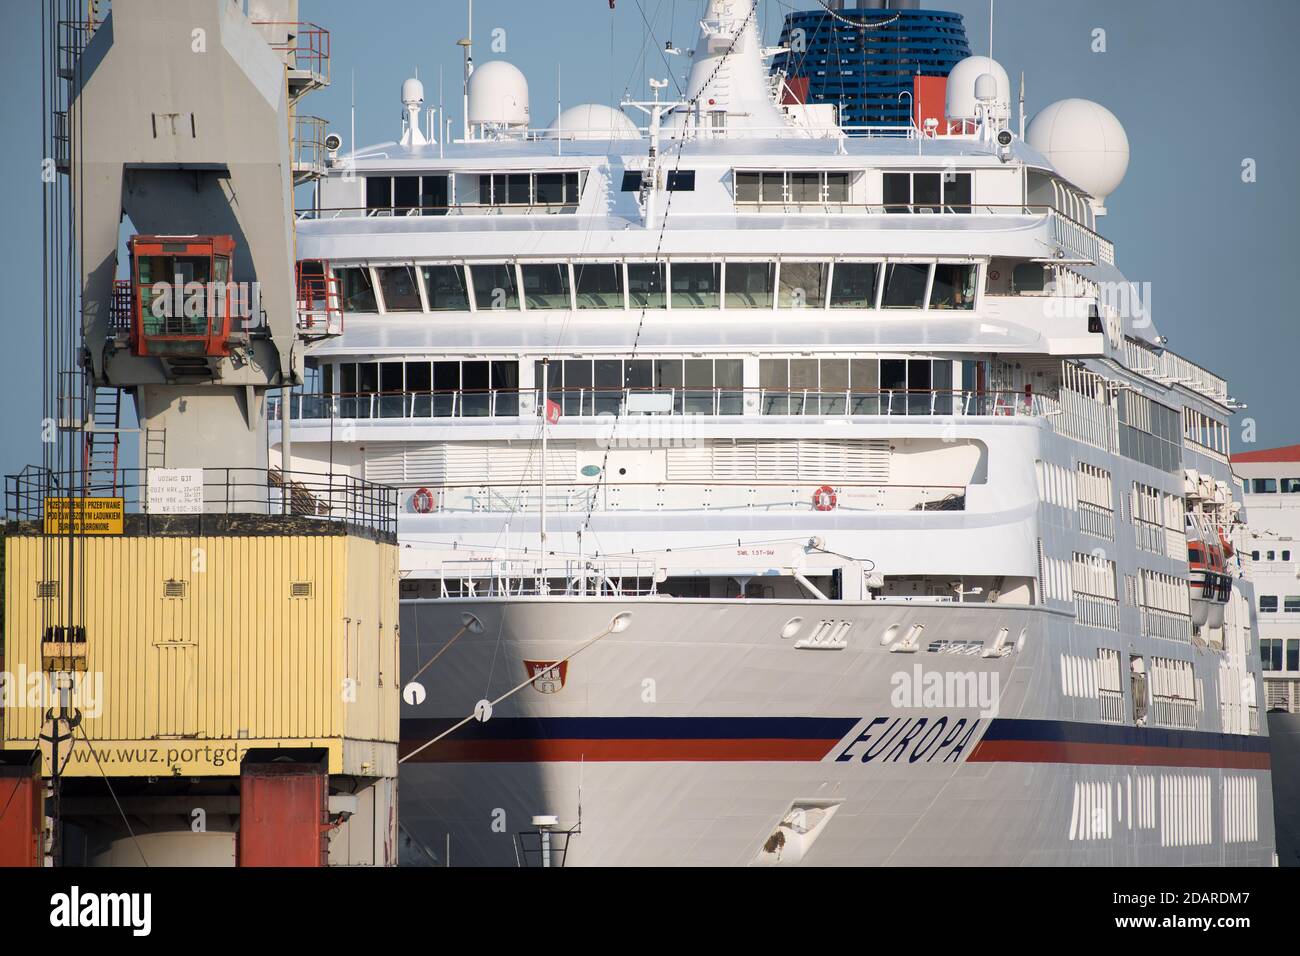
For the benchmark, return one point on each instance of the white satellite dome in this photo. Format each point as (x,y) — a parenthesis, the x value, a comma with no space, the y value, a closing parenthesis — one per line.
(1085,143)
(412,92)
(960,102)
(498,95)
(593,121)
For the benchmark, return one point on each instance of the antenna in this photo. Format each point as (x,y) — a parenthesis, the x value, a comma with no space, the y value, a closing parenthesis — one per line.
(1022,104)
(467,47)
(990,29)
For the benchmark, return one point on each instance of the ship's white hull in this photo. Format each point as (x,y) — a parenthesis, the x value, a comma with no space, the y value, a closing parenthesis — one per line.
(689,737)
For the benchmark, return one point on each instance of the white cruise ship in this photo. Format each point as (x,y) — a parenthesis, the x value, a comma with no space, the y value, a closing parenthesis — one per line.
(774,493)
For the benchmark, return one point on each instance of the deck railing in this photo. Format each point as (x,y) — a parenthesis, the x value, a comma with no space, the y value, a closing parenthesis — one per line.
(225,491)
(598,402)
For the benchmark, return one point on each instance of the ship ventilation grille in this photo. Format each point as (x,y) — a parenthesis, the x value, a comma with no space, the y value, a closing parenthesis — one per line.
(467,463)
(300,589)
(828,460)
(175,589)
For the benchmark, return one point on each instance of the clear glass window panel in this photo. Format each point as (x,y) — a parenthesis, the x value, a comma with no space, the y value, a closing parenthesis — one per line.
(774,187)
(517,186)
(476,383)
(1290,486)
(853,285)
(505,387)
(837,187)
(494,286)
(445,288)
(577,387)
(864,380)
(803,285)
(599,285)
(806,187)
(749,284)
(927,190)
(897,192)
(379,192)
(608,386)
(954,286)
(695,284)
(957,192)
(774,380)
(638,374)
(572,187)
(646,285)
(419,386)
(401,293)
(546,285)
(367,377)
(699,387)
(834,386)
(905,285)
(747,187)
(728,376)
(434,197)
(446,388)
(550,189)
(485,188)
(406,193)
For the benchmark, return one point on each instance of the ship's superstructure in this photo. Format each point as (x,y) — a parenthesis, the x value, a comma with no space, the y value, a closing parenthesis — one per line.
(770,495)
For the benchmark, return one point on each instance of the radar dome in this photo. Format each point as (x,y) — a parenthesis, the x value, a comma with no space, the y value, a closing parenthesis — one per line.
(960,102)
(498,95)
(412,92)
(1085,143)
(593,121)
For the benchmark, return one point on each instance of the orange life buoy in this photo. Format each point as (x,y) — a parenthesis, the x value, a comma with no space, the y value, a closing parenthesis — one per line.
(824,498)
(422,501)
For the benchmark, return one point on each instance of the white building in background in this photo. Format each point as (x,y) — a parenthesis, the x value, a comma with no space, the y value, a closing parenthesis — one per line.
(1270,546)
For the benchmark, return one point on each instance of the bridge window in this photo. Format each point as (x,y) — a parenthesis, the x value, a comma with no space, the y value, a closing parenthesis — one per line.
(356,289)
(803,285)
(1268,603)
(1263,486)
(444,286)
(905,284)
(853,285)
(681,180)
(954,286)
(494,286)
(401,292)
(646,285)
(927,192)
(1270,654)
(546,286)
(599,285)
(631,181)
(696,284)
(749,284)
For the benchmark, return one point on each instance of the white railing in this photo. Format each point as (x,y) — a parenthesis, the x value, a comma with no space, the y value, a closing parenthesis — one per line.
(682,496)
(1096,520)
(515,577)
(1110,706)
(1096,611)
(1174,712)
(1166,624)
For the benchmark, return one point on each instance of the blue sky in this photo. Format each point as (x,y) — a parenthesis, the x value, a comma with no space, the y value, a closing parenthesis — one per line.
(1200,86)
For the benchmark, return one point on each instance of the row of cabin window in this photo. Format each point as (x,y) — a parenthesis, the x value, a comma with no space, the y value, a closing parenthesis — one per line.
(1271,486)
(791,386)
(1270,654)
(1270,555)
(1268,604)
(431,195)
(659,285)
(903,192)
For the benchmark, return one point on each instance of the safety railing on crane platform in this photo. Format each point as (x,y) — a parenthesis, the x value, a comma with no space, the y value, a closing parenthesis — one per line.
(305,46)
(326,497)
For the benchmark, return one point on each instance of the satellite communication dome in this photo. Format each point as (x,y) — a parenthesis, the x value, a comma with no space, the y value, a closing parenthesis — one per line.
(1085,143)
(593,121)
(960,101)
(498,94)
(412,92)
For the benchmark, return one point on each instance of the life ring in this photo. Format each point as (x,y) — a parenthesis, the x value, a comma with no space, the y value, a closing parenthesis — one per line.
(824,498)
(422,501)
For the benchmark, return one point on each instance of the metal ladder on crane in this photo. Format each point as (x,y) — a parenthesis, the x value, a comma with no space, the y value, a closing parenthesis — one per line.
(103,440)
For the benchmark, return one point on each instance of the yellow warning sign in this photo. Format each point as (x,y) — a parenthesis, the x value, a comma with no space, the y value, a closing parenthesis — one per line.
(84,515)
